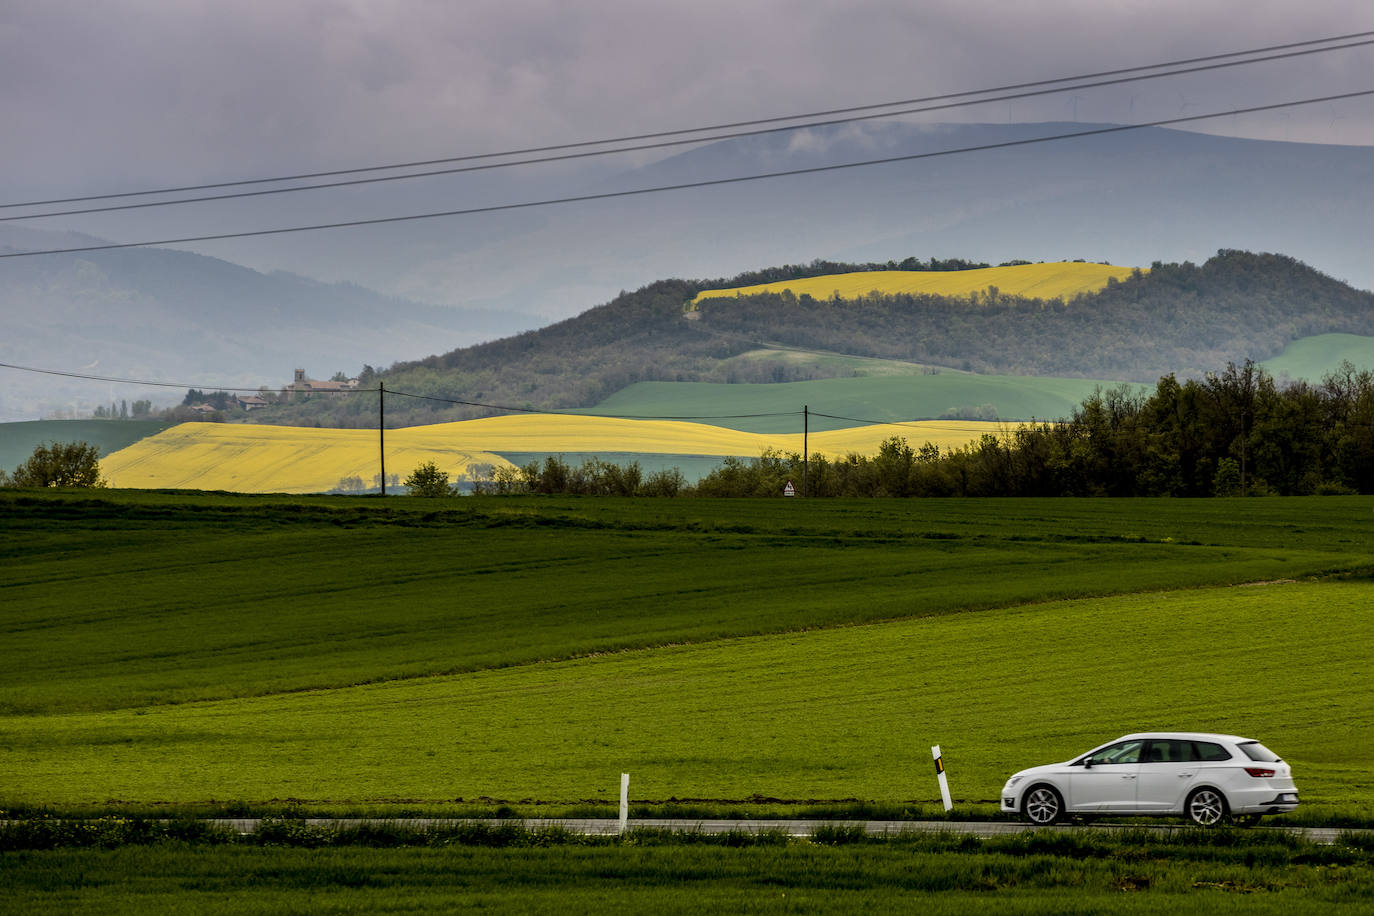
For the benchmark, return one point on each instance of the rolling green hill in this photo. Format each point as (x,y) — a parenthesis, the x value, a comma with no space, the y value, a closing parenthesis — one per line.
(1176,318)
(18,440)
(174,650)
(1311,358)
(948,395)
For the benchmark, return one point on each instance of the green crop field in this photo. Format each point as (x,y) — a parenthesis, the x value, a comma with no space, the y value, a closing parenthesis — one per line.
(184,653)
(1312,358)
(18,440)
(875,398)
(179,649)
(1035,874)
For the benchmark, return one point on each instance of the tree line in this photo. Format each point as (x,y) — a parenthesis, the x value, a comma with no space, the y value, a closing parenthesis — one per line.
(1234,433)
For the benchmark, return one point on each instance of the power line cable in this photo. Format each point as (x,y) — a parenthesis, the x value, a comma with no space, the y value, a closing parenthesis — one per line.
(623,149)
(608,195)
(126,381)
(1270,51)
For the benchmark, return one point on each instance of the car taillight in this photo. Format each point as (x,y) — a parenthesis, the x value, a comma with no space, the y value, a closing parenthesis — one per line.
(1259,772)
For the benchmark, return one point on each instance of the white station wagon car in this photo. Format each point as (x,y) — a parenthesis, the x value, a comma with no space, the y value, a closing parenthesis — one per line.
(1204,777)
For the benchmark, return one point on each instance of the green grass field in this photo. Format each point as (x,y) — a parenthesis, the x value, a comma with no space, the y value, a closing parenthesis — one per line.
(181,654)
(169,650)
(877,398)
(1036,874)
(18,440)
(1313,357)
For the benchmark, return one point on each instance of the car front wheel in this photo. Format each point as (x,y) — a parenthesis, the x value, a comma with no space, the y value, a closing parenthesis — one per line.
(1206,807)
(1043,806)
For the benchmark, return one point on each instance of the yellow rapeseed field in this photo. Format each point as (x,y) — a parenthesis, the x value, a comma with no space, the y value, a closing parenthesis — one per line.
(284,459)
(1035,281)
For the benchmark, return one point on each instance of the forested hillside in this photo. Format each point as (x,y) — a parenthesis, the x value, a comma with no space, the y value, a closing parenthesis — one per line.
(1177,318)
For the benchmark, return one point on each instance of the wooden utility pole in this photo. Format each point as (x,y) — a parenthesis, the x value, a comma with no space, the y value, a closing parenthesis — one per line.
(381,429)
(806,433)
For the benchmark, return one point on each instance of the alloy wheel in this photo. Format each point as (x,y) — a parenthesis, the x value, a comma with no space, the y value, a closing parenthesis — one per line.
(1206,807)
(1043,806)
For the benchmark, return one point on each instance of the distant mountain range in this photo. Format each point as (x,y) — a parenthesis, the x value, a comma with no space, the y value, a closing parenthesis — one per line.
(172,316)
(1128,198)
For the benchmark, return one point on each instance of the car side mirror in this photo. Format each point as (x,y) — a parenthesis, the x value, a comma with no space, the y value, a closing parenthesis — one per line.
(1087,763)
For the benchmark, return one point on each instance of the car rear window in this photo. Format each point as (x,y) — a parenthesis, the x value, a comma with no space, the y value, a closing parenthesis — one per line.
(1206,750)
(1258,752)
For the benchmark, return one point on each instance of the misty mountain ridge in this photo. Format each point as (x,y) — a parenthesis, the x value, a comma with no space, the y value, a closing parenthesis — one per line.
(1130,197)
(174,316)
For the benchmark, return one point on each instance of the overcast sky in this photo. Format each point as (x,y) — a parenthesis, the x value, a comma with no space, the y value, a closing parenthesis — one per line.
(123,94)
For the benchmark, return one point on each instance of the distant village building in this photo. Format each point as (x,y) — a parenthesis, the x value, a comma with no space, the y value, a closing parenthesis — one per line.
(252,402)
(307,386)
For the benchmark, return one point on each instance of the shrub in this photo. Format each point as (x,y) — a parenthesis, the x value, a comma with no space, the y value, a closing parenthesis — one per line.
(60,464)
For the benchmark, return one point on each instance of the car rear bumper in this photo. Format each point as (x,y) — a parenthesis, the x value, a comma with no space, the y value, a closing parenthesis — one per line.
(1275,803)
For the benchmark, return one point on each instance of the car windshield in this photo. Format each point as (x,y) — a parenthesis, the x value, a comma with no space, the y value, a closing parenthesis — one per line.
(1258,752)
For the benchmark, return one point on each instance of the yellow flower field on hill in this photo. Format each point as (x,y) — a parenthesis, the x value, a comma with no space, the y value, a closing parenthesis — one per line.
(1034,281)
(284,459)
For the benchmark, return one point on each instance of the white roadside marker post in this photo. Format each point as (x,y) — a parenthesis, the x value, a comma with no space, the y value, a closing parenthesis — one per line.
(624,801)
(940,774)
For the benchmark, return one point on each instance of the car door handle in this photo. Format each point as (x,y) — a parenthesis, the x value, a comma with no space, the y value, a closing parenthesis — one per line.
(1184,775)
(1129,776)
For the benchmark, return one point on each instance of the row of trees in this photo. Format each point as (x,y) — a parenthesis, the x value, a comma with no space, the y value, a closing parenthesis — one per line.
(554,476)
(1235,433)
(141,410)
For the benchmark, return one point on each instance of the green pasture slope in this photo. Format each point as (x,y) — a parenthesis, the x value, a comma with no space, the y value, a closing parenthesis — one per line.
(171,654)
(18,440)
(1312,358)
(195,650)
(878,398)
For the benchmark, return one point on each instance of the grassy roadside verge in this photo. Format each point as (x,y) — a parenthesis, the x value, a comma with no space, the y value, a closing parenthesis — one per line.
(294,870)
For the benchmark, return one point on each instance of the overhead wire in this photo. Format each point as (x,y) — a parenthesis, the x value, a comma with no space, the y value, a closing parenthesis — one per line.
(714,182)
(966,94)
(625,149)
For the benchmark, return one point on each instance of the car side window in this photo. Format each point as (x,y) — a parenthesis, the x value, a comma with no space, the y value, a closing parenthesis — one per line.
(1121,752)
(1169,751)
(1205,750)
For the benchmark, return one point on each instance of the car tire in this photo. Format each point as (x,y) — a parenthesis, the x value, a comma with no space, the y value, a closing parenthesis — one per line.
(1205,807)
(1042,805)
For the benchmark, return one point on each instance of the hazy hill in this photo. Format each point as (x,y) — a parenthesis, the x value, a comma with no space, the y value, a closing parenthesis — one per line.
(1181,318)
(1127,198)
(174,316)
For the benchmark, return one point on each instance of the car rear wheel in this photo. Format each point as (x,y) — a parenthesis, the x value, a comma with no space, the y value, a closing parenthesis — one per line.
(1206,807)
(1043,806)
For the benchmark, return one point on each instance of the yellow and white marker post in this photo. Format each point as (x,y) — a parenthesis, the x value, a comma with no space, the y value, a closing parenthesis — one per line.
(940,774)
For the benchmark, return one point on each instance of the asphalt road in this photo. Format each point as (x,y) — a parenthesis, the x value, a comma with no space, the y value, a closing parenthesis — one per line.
(799,828)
